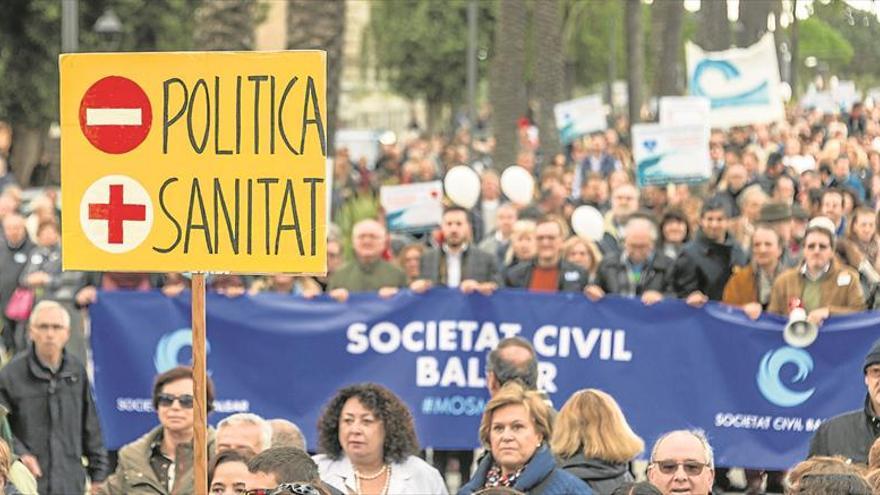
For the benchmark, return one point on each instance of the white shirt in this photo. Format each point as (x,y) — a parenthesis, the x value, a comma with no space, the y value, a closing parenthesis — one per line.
(409,477)
(453,266)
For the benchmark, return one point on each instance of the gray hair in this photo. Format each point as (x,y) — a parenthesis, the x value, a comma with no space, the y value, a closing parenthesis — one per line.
(505,371)
(287,434)
(696,433)
(635,221)
(45,305)
(250,419)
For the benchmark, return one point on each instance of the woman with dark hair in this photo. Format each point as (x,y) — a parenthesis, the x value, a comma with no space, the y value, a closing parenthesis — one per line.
(228,472)
(367,442)
(674,233)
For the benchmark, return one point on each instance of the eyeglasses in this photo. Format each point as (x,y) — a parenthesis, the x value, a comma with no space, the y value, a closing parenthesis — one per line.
(286,489)
(691,468)
(167,400)
(819,246)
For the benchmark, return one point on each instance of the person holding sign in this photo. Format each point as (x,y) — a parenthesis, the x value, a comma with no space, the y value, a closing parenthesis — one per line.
(368,445)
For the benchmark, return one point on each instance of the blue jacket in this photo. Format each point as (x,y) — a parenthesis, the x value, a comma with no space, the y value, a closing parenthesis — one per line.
(540,477)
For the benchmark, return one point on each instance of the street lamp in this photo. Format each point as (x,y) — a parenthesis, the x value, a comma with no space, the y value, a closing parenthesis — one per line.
(109,28)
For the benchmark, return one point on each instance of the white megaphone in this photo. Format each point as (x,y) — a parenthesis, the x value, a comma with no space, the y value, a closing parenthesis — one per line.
(798,331)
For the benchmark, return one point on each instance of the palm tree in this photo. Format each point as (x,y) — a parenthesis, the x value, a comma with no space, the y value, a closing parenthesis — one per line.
(549,70)
(226,25)
(666,24)
(507,89)
(635,58)
(320,25)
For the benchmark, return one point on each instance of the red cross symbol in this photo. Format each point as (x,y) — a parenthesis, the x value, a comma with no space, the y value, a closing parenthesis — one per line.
(115,212)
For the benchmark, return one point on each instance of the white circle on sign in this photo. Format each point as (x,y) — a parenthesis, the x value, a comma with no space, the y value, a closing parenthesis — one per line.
(116,213)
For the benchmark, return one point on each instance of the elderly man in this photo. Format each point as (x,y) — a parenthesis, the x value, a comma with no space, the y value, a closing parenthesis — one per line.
(822,285)
(51,409)
(682,462)
(624,202)
(14,249)
(368,272)
(457,263)
(851,434)
(639,271)
(245,431)
(161,461)
(287,434)
(547,272)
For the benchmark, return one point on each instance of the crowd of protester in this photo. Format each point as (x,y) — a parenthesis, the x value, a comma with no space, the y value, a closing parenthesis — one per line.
(788,218)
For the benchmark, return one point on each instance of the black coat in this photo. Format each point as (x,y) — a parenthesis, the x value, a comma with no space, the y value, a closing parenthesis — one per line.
(53,418)
(849,435)
(13,259)
(572,278)
(705,265)
(613,276)
(602,476)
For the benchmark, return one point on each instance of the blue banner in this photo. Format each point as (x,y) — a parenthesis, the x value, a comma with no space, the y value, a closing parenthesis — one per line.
(669,365)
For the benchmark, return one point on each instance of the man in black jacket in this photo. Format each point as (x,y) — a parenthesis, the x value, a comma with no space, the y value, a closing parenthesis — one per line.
(14,249)
(457,262)
(638,271)
(851,434)
(51,409)
(705,263)
(548,272)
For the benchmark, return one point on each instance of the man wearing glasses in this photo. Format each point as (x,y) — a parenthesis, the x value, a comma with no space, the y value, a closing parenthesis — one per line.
(682,463)
(821,285)
(851,434)
(161,461)
(51,409)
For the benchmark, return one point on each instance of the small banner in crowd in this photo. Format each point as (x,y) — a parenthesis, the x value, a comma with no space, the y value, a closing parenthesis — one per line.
(669,365)
(684,110)
(665,154)
(417,206)
(580,116)
(742,84)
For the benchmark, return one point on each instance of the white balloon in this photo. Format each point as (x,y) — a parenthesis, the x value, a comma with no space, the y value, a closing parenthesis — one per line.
(518,185)
(588,222)
(462,186)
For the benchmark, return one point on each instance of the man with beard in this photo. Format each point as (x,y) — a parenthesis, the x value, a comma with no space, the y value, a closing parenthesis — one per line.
(457,262)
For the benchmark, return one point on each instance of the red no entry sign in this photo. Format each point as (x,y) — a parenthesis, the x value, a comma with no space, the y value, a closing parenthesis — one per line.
(115,115)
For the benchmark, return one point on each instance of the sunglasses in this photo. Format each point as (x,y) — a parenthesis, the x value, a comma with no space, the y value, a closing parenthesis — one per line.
(167,400)
(691,468)
(286,489)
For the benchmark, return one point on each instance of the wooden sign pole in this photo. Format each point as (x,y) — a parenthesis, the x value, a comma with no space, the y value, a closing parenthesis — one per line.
(200,416)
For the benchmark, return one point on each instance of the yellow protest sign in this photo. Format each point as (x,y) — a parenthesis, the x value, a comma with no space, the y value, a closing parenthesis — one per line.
(209,162)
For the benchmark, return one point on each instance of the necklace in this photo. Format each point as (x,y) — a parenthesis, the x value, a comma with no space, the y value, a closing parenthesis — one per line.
(358,477)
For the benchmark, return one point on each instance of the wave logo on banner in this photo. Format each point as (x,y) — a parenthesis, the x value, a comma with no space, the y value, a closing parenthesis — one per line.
(757,95)
(770,382)
(168,349)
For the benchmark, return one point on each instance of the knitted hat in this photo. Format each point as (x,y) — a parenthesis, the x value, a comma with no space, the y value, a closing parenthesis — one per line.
(873,356)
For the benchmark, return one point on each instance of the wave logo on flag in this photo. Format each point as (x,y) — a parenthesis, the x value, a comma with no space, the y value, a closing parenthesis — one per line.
(741,84)
(757,95)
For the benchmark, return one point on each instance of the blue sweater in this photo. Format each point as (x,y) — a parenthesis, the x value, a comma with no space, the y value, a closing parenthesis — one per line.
(541,467)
